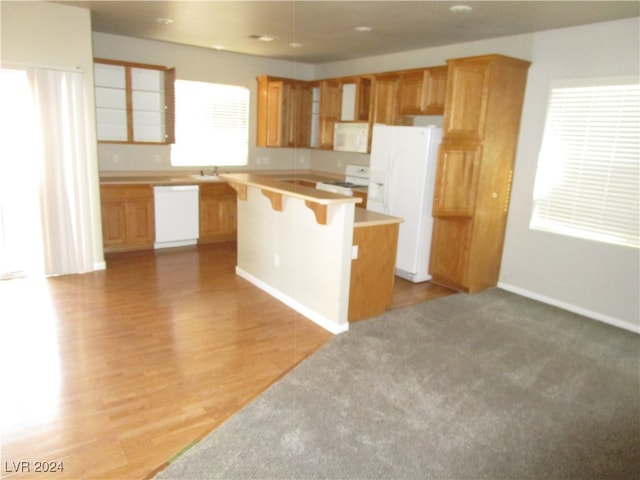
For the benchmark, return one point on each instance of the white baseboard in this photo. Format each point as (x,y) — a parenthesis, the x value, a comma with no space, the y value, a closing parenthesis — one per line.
(616,322)
(312,315)
(100,265)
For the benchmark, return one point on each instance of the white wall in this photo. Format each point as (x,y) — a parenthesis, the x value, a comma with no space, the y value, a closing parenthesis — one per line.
(41,34)
(199,64)
(592,278)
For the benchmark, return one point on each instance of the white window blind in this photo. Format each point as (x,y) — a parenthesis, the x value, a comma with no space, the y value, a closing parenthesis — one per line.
(211,124)
(588,177)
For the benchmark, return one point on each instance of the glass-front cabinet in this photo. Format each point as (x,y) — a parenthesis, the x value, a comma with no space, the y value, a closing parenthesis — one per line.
(134,102)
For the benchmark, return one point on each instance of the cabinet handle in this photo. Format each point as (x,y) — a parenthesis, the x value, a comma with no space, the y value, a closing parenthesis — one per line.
(494,195)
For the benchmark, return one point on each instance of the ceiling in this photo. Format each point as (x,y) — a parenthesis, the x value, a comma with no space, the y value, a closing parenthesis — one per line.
(325,30)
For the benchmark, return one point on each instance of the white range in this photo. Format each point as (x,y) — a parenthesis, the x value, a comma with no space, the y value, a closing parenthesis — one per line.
(356,176)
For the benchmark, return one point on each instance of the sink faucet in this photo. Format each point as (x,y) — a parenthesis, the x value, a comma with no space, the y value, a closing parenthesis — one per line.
(208,171)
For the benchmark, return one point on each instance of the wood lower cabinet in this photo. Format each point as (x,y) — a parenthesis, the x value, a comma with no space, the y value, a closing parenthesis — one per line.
(449,266)
(128,219)
(475,165)
(218,218)
(372,273)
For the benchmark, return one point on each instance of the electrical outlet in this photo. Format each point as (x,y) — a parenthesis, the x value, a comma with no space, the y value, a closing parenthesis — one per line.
(276,260)
(115,158)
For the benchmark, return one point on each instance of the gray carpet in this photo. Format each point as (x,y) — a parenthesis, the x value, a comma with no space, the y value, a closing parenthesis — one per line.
(486,386)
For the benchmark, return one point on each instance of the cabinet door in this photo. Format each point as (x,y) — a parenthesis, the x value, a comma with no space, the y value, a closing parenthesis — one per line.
(456,179)
(275,95)
(467,98)
(435,91)
(114,224)
(299,122)
(217,213)
(330,105)
(147,104)
(111,102)
(140,222)
(385,103)
(450,246)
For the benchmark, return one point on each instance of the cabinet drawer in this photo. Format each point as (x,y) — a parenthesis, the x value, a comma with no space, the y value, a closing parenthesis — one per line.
(126,192)
(215,189)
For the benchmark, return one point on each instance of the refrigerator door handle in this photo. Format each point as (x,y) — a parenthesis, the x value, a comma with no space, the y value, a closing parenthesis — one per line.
(388,184)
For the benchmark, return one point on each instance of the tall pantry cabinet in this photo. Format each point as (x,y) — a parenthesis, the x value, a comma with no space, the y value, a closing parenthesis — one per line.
(483,106)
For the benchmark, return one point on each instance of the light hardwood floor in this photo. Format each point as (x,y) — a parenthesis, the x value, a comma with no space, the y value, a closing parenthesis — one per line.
(113,373)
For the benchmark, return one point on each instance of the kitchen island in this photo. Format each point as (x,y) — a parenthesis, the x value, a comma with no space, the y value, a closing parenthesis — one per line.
(297,244)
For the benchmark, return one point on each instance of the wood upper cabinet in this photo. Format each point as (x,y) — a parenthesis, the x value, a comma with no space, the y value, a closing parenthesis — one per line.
(299,126)
(435,91)
(284,112)
(134,102)
(475,164)
(330,109)
(385,89)
(467,100)
(355,99)
(128,219)
(422,92)
(218,218)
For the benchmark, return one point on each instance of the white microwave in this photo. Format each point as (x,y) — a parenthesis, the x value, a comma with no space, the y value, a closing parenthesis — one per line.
(351,137)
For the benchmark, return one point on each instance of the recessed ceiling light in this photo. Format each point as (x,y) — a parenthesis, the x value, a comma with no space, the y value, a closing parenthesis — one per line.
(217,47)
(164,21)
(295,44)
(461,9)
(363,28)
(264,38)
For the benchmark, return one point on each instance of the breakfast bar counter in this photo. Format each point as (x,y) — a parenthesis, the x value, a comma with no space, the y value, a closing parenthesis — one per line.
(297,244)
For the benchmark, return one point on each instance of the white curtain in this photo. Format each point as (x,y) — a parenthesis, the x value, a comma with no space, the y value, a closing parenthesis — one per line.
(21,250)
(62,172)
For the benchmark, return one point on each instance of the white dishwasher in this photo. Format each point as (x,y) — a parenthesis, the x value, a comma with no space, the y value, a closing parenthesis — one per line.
(177,216)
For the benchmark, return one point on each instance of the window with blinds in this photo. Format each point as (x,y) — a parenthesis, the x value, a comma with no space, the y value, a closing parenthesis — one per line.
(588,178)
(211,124)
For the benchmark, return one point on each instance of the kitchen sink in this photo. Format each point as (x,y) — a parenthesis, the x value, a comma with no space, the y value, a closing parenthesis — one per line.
(206,178)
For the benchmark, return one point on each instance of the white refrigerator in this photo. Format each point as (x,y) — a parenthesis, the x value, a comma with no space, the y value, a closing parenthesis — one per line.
(401,183)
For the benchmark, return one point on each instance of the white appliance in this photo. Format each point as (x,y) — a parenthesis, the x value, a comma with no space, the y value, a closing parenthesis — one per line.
(351,137)
(356,176)
(401,183)
(177,215)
